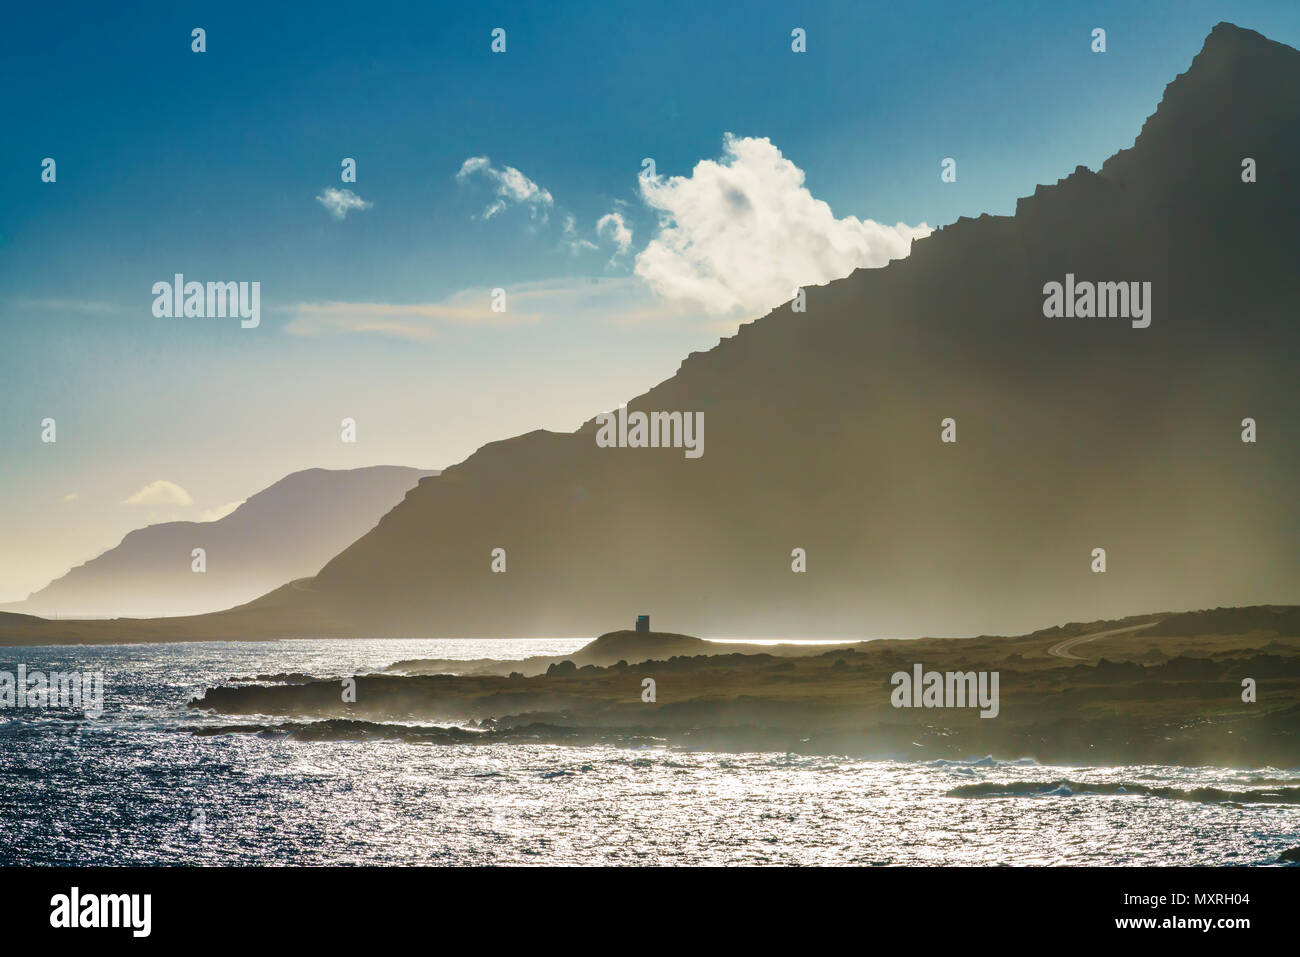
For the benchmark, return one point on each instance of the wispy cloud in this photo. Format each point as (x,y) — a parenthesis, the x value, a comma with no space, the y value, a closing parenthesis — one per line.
(613,227)
(417,320)
(575,242)
(89,306)
(160,492)
(510,186)
(617,300)
(340,202)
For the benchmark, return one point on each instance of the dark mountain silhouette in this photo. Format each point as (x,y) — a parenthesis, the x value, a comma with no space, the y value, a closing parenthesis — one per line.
(822,431)
(285,531)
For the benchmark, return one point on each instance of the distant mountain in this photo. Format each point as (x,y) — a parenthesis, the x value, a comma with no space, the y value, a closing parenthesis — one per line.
(286,531)
(823,431)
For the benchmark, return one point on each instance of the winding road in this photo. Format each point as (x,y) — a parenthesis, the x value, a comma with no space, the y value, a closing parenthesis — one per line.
(1062,648)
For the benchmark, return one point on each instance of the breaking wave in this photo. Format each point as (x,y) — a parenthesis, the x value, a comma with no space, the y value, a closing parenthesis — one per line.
(1066,788)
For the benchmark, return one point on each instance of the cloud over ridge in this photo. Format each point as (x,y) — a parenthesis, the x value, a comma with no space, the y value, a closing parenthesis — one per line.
(738,235)
(160,492)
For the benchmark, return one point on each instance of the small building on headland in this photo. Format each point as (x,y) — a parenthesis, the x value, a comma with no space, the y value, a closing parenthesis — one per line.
(642,622)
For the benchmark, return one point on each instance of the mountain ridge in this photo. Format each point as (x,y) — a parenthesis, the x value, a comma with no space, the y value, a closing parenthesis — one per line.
(1245,56)
(823,431)
(288,529)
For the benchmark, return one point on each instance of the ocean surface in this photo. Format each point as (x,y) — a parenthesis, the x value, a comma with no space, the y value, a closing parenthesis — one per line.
(136,786)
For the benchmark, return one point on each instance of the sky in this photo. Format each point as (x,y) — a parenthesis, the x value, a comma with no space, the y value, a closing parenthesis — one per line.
(476,170)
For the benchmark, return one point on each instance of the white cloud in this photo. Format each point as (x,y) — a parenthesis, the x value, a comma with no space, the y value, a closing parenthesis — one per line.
(340,202)
(161,492)
(738,236)
(612,226)
(221,511)
(511,187)
(70,497)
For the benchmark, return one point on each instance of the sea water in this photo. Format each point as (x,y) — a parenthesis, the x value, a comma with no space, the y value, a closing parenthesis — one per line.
(134,785)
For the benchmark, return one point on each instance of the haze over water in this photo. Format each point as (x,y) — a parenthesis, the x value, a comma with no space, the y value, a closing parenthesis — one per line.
(134,786)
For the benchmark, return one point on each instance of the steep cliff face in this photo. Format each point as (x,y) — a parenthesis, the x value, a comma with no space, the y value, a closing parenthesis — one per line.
(822,430)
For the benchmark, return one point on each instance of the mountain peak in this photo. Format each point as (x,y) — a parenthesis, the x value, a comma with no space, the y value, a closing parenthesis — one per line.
(1238,98)
(1232,54)
(1228,39)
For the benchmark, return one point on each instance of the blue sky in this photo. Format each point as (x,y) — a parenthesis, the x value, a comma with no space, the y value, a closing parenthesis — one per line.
(211,164)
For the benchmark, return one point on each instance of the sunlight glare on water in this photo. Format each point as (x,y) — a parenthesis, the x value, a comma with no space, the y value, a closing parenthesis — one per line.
(134,787)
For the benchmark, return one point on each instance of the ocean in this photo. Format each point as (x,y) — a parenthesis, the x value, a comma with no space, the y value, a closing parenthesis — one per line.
(134,785)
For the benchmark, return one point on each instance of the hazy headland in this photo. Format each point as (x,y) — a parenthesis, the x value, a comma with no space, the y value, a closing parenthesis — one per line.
(1160,689)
